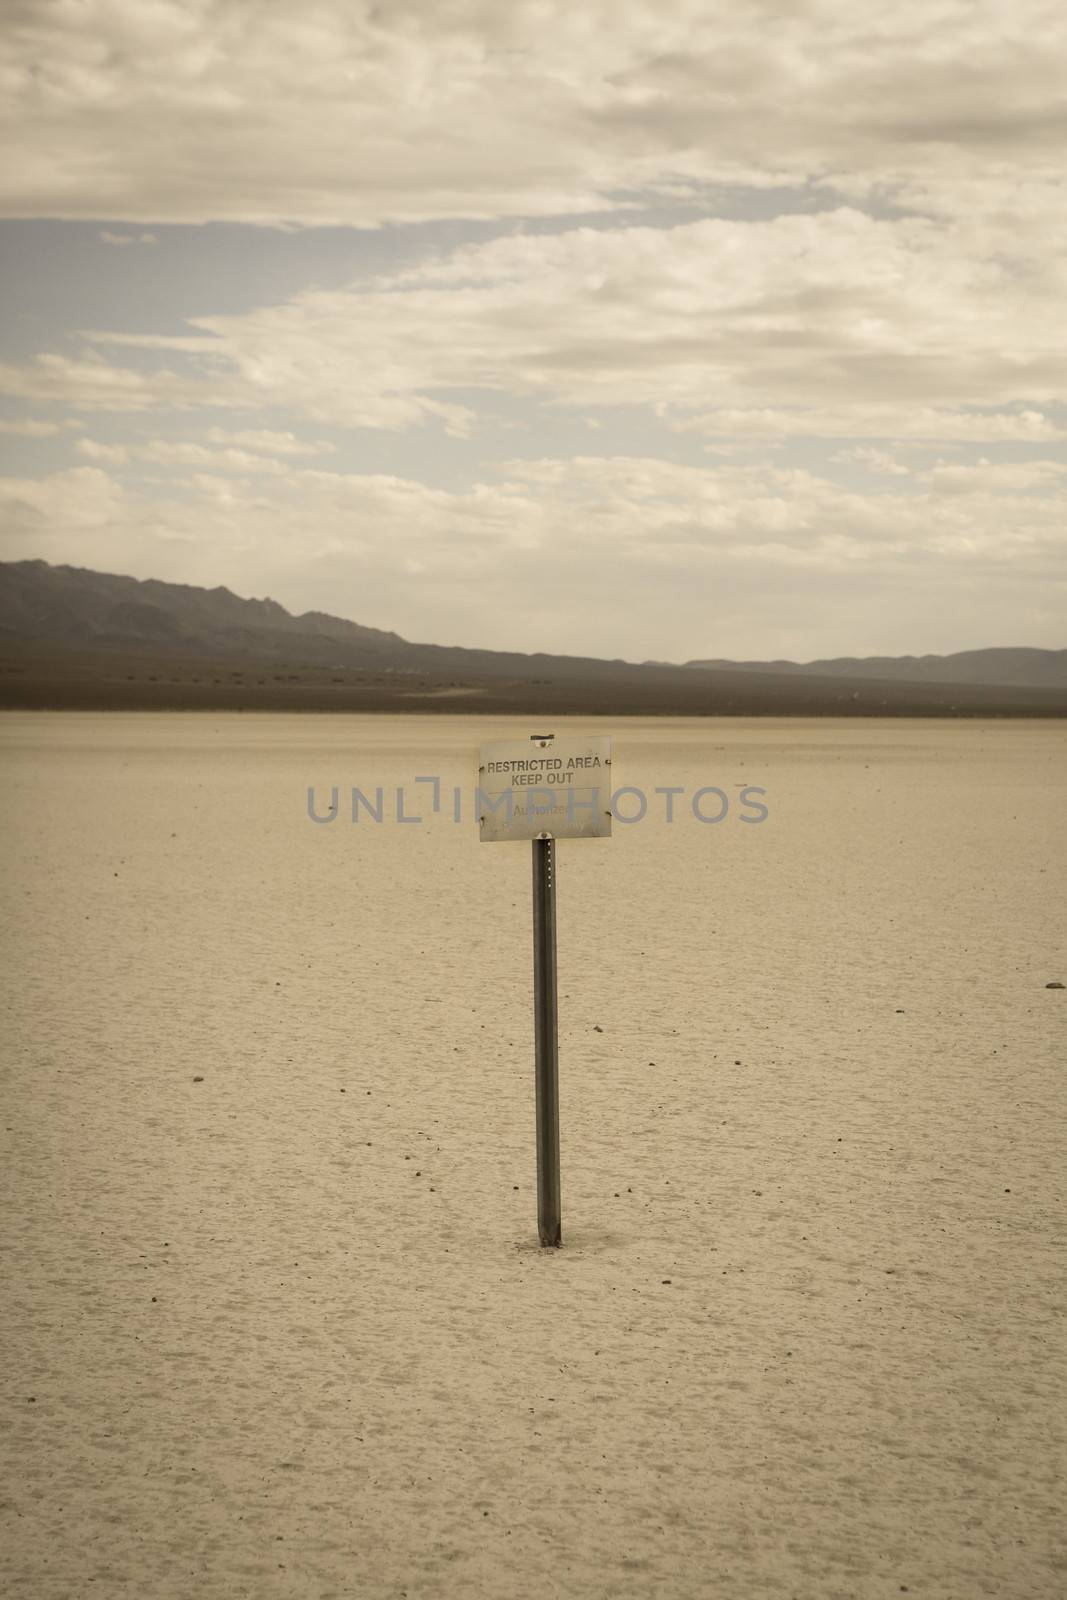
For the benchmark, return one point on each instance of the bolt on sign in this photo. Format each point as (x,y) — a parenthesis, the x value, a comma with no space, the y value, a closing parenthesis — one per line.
(545,788)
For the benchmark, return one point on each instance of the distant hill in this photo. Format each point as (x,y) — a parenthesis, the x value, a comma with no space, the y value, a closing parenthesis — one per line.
(1018,667)
(70,637)
(75,607)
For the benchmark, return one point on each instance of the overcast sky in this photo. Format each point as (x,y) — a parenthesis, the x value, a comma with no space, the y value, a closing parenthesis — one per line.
(641,328)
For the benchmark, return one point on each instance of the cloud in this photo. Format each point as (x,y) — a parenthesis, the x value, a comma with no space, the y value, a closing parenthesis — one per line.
(178,453)
(876,461)
(358,113)
(308,369)
(63,506)
(112,455)
(29,427)
(985,478)
(90,384)
(612,556)
(272,442)
(919,424)
(185,453)
(838,324)
(860,256)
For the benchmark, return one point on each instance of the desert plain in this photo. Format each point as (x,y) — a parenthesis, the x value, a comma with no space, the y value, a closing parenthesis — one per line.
(276,1321)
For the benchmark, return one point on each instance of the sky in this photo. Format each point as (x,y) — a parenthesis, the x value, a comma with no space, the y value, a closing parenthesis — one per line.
(654,329)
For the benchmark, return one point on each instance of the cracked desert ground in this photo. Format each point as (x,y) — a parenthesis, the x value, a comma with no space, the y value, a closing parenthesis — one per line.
(275,1319)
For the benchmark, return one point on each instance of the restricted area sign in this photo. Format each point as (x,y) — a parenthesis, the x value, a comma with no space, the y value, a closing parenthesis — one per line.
(545,788)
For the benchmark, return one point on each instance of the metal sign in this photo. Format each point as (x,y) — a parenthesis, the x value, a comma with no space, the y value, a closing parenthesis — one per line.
(545,788)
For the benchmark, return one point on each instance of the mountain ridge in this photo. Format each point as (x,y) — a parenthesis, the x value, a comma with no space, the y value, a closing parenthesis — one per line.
(1021,665)
(74,638)
(79,607)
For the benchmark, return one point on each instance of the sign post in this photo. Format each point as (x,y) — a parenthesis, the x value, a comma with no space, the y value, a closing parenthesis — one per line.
(546,1041)
(559,789)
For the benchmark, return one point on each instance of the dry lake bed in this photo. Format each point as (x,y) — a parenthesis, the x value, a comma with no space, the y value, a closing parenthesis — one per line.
(275,1321)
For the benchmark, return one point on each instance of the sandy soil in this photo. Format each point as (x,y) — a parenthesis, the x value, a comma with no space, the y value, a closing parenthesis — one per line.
(275,1320)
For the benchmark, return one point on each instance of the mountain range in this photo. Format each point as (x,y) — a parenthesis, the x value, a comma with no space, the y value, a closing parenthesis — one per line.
(71,636)
(1021,665)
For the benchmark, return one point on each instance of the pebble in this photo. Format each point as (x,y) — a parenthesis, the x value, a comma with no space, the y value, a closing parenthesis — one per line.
(1054,986)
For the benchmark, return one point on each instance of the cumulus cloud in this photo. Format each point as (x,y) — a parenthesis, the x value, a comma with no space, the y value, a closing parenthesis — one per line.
(839,324)
(356,112)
